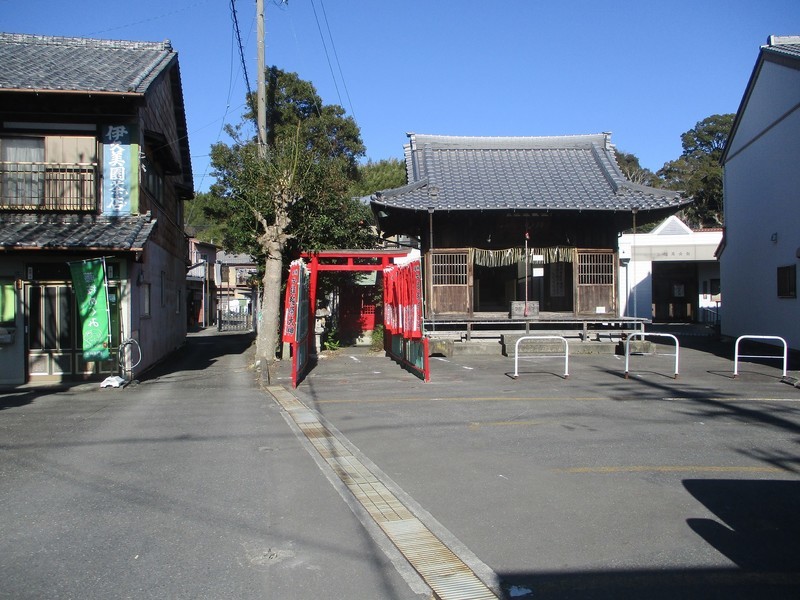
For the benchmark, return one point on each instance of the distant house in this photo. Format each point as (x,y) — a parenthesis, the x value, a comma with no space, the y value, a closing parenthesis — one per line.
(94,162)
(670,274)
(761,247)
(236,279)
(201,289)
(504,219)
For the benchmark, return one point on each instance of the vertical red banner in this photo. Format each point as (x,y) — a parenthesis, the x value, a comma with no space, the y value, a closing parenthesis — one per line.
(291,305)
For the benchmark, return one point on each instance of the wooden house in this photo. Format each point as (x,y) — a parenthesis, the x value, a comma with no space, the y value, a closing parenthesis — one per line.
(94,163)
(518,219)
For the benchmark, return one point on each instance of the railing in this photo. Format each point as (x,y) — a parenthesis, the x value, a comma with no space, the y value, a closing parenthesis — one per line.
(710,315)
(542,337)
(36,186)
(234,321)
(648,334)
(737,356)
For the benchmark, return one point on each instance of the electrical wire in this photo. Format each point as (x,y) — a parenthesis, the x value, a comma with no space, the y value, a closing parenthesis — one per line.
(150,19)
(241,48)
(325,48)
(336,57)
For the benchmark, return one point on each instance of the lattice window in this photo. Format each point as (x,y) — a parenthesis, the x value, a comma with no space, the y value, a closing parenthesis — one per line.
(449,268)
(595,268)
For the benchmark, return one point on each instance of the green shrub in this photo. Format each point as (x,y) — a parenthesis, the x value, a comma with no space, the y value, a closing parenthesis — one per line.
(332,340)
(377,338)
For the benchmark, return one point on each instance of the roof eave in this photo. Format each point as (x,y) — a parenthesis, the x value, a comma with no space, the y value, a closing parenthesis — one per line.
(71,92)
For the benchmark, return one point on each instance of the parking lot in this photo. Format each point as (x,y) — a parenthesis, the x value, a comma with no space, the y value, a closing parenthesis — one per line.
(596,485)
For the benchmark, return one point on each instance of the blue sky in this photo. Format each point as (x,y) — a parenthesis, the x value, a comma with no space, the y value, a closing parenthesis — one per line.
(646,71)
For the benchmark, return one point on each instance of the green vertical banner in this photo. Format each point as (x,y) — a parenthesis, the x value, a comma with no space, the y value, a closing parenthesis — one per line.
(89,282)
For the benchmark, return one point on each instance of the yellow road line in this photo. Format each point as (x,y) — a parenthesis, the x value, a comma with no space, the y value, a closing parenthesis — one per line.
(387,400)
(477,425)
(671,469)
(456,399)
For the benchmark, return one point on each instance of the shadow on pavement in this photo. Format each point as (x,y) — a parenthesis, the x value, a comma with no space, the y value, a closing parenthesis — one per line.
(15,398)
(757,527)
(759,524)
(655,584)
(199,352)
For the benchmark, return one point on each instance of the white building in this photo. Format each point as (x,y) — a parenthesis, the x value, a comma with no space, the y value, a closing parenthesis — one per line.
(761,247)
(670,274)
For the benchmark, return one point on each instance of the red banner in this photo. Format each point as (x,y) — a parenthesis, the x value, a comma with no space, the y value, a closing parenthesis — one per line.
(402,300)
(292,303)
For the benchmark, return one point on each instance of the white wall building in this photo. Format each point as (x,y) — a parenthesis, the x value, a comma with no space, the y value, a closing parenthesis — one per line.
(761,248)
(670,274)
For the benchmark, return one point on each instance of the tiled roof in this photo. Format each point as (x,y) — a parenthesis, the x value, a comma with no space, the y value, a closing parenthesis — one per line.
(44,63)
(519,173)
(780,49)
(36,63)
(74,232)
(230,258)
(783,45)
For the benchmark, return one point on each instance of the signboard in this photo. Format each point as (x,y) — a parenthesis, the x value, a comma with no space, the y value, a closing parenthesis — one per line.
(686,252)
(90,285)
(116,170)
(292,303)
(295,322)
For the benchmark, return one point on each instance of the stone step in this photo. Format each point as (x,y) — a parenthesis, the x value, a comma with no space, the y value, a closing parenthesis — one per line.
(603,344)
(505,346)
(546,347)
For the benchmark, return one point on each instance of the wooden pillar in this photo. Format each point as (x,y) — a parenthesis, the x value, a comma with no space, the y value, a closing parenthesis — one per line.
(312,303)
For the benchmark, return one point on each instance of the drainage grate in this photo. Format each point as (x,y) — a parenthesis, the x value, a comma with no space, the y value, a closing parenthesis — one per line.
(446,574)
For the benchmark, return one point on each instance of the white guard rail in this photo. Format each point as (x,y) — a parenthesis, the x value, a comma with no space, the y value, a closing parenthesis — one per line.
(737,356)
(647,334)
(542,337)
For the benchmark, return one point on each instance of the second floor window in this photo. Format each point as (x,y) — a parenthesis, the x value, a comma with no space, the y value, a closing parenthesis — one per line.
(22,172)
(50,173)
(152,180)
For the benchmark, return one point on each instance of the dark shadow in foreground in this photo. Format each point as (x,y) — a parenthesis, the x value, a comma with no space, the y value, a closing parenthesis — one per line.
(198,353)
(757,528)
(759,521)
(667,584)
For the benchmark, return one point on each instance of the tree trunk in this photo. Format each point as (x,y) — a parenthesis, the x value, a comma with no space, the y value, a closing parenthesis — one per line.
(273,240)
(270,321)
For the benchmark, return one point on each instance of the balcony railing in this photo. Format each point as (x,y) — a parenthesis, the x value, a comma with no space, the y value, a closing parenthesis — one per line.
(38,186)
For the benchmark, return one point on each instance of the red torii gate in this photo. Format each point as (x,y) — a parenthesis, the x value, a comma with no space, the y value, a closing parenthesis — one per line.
(352,261)
(345,260)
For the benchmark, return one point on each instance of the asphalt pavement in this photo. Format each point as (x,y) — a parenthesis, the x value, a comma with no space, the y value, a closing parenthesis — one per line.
(593,486)
(190,484)
(202,481)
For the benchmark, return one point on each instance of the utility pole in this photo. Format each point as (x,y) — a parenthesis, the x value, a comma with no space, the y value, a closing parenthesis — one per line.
(262,84)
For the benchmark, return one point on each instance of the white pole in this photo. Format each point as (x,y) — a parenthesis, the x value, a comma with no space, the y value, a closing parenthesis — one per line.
(526,276)
(205,279)
(634,210)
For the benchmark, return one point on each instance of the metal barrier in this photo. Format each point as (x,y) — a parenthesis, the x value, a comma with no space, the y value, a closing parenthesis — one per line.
(647,334)
(233,321)
(542,337)
(737,356)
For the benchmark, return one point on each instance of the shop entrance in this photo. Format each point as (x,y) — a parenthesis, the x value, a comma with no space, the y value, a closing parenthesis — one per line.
(53,340)
(675,293)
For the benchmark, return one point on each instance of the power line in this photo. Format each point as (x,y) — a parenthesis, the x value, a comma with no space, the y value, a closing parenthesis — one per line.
(150,19)
(336,56)
(241,48)
(327,56)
